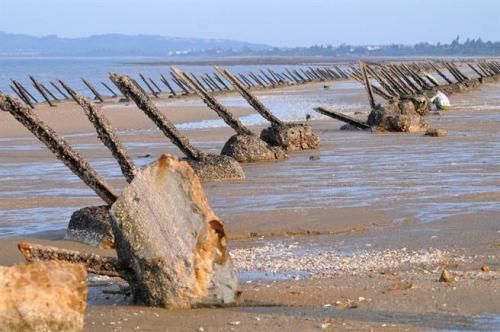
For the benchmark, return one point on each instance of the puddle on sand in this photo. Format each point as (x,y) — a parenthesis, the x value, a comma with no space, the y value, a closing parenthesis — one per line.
(490,322)
(34,220)
(411,174)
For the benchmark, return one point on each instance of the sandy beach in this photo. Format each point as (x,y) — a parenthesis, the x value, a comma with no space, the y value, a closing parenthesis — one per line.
(351,236)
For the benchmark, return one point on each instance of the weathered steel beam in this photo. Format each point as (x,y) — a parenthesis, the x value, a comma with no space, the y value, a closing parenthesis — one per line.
(307,75)
(141,75)
(455,75)
(342,117)
(274,77)
(289,78)
(22,88)
(251,99)
(165,81)
(465,77)
(256,79)
(393,82)
(49,92)
(208,84)
(193,76)
(214,83)
(221,81)
(303,78)
(107,135)
(64,84)
(368,85)
(212,103)
(296,79)
(423,84)
(475,70)
(316,74)
(39,88)
(342,72)
(155,85)
(266,82)
(179,83)
(108,266)
(386,85)
(486,71)
(440,73)
(21,93)
(409,83)
(282,78)
(63,151)
(245,80)
(147,106)
(270,80)
(113,94)
(94,90)
(59,90)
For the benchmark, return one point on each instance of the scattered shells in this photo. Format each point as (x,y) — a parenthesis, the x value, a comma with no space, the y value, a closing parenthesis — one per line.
(287,261)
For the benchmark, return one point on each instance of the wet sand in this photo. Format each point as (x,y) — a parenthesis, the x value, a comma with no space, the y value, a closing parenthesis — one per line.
(319,243)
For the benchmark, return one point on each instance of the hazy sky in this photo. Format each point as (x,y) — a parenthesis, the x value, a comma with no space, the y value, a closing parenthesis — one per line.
(276,22)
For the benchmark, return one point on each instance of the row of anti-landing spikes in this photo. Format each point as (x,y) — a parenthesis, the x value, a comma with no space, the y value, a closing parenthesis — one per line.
(394,80)
(131,89)
(105,132)
(72,159)
(403,79)
(212,82)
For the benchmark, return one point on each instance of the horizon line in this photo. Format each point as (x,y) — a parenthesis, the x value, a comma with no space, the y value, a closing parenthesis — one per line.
(244,41)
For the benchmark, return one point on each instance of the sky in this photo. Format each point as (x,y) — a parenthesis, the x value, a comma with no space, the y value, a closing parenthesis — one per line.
(273,22)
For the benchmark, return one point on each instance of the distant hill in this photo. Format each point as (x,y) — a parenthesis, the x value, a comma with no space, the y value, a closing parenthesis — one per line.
(118,45)
(150,45)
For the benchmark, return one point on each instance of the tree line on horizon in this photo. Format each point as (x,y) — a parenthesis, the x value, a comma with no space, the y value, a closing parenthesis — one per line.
(470,47)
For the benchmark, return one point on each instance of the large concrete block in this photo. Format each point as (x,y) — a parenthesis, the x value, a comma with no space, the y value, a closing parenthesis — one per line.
(43,296)
(172,241)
